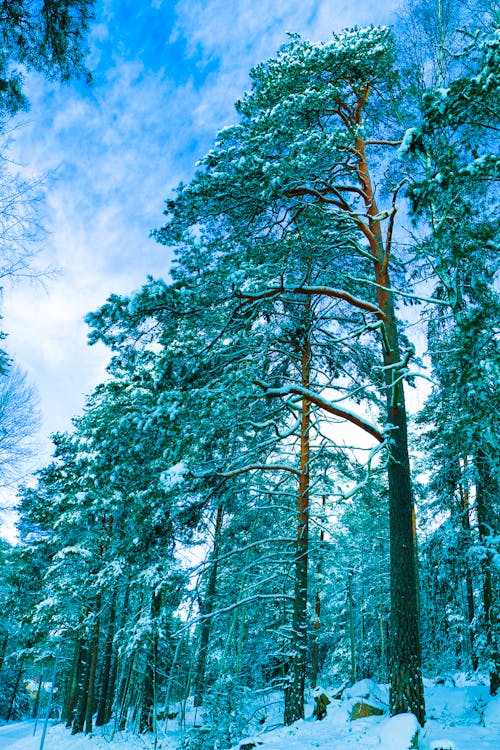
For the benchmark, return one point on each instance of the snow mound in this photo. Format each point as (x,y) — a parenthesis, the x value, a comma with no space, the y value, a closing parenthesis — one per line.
(492,712)
(399,732)
(367,689)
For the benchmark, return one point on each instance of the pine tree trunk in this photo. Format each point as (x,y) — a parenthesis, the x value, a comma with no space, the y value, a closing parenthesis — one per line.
(148,704)
(107,681)
(36,706)
(407,692)
(125,695)
(14,692)
(317,605)
(352,633)
(82,692)
(471,614)
(72,684)
(295,681)
(206,609)
(3,649)
(486,484)
(89,711)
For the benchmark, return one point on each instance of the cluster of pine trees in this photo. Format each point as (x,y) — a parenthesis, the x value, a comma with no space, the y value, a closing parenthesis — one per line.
(234,511)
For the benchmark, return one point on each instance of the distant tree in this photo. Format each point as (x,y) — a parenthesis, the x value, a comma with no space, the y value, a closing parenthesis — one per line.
(19,421)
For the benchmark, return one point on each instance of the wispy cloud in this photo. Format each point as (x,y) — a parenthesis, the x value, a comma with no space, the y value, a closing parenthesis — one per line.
(166,77)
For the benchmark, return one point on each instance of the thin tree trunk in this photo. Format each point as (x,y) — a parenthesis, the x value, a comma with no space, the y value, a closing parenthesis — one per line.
(206,609)
(382,626)
(14,692)
(147,717)
(36,706)
(295,684)
(317,604)
(106,681)
(89,711)
(485,484)
(3,649)
(352,632)
(125,695)
(471,614)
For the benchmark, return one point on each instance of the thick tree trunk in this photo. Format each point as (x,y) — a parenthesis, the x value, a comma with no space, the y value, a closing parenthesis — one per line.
(295,681)
(206,609)
(82,691)
(72,684)
(407,693)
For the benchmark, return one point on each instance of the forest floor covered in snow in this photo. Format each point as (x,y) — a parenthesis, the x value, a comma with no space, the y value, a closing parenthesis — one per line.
(463,717)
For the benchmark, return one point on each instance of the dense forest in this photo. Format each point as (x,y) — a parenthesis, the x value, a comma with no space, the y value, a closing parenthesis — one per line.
(246,505)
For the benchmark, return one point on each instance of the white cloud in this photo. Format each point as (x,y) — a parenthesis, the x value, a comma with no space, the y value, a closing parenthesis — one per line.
(115,152)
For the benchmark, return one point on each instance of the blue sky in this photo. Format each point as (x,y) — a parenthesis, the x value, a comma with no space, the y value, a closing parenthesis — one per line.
(166,74)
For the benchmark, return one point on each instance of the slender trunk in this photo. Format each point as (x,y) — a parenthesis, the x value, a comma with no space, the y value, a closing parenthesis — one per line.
(471,614)
(3,649)
(317,603)
(206,609)
(486,484)
(352,633)
(147,717)
(406,693)
(14,692)
(106,681)
(294,689)
(72,684)
(36,706)
(89,711)
(125,695)
(382,625)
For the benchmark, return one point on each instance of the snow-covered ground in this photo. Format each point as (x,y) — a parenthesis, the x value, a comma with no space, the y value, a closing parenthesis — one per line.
(458,718)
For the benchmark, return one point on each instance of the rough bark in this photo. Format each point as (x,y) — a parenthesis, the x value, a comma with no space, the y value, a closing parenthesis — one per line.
(407,693)
(81,692)
(72,684)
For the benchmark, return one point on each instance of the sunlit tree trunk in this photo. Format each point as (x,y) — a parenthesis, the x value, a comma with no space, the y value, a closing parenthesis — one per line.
(295,681)
(407,693)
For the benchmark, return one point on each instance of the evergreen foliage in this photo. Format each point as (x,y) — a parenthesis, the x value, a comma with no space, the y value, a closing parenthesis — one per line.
(214,525)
